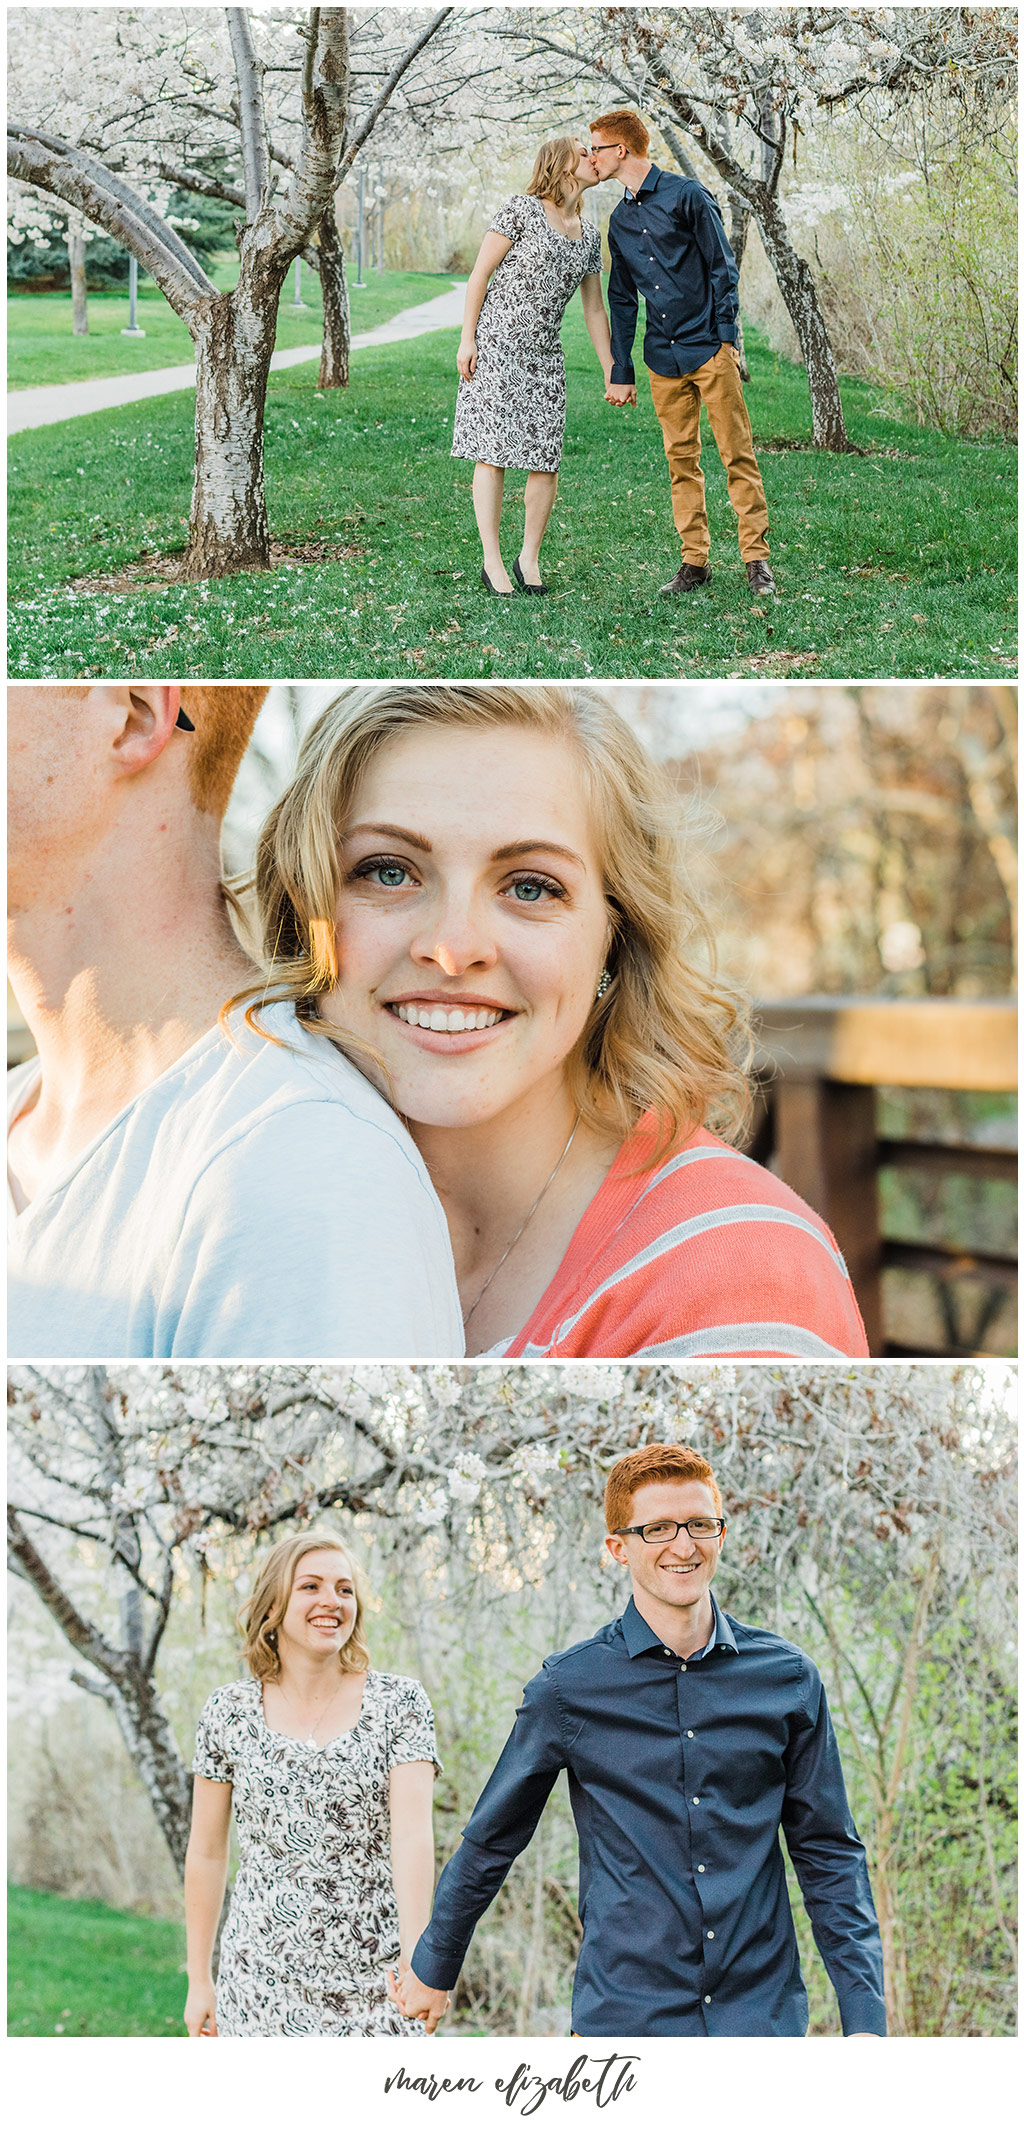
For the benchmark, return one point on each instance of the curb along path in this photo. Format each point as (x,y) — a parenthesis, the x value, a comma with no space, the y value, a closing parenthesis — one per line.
(42,404)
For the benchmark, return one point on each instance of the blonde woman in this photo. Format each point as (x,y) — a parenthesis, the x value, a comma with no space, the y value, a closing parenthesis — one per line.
(479,891)
(511,403)
(329,1768)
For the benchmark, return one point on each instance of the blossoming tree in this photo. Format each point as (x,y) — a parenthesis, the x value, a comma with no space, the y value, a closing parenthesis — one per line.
(144,75)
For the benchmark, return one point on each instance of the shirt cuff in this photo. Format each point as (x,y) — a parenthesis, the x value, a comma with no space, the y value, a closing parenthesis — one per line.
(439,1971)
(622,374)
(863,2014)
(728,331)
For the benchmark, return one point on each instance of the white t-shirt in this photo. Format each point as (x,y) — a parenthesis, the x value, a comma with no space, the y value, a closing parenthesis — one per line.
(254,1201)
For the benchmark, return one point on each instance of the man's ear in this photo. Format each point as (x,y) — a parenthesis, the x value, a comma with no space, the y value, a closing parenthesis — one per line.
(616,1546)
(142,717)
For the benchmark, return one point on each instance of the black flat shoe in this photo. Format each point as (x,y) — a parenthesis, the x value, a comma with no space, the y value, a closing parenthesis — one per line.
(496,589)
(521,581)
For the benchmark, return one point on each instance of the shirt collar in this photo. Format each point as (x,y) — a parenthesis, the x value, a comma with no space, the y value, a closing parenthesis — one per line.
(649,184)
(639,1636)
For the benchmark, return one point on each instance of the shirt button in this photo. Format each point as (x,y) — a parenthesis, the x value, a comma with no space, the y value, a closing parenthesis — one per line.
(702,1869)
(666,1650)
(689,1735)
(682,1668)
(707,1998)
(696,1802)
(711,1935)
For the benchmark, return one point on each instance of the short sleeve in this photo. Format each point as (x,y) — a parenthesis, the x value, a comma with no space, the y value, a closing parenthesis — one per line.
(411,1735)
(511,220)
(212,1757)
(593,265)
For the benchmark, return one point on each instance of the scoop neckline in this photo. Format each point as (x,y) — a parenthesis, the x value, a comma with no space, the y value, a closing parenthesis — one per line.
(566,239)
(312,1746)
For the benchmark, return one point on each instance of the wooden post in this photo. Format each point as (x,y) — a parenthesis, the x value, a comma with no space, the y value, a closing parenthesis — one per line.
(826,1148)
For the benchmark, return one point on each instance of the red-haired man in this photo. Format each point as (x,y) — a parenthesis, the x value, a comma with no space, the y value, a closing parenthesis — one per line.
(691,1741)
(171,1192)
(668,245)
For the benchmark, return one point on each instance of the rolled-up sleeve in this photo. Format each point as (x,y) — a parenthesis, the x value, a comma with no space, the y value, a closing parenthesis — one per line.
(831,1866)
(500,1826)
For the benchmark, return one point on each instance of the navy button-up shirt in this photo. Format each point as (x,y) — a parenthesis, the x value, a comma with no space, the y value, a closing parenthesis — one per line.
(668,245)
(681,1775)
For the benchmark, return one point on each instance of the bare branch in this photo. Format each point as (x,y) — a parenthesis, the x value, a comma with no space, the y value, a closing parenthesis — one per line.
(106,201)
(255,156)
(79,1632)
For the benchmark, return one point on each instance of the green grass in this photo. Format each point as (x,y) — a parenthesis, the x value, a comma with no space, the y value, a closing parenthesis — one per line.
(41,349)
(78,1969)
(902,562)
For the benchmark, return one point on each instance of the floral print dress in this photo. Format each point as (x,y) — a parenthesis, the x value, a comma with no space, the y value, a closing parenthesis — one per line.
(511,412)
(313,1923)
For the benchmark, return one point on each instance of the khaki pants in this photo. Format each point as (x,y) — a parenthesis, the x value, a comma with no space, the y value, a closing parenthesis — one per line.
(677,404)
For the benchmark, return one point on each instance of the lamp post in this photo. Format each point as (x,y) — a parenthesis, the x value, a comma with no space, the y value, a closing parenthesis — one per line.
(359,282)
(133,330)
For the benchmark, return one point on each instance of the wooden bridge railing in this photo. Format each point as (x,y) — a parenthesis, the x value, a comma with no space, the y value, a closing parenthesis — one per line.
(821,1062)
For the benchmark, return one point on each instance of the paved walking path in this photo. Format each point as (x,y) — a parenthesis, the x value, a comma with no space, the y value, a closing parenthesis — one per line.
(41,404)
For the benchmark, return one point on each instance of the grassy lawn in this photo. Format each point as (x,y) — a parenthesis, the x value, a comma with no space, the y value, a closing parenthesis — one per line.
(902,562)
(41,349)
(78,1969)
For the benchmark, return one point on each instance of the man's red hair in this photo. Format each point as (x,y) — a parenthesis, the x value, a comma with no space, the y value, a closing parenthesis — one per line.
(626,128)
(223,716)
(655,1462)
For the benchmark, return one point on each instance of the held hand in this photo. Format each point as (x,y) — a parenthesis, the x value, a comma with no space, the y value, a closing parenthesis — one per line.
(620,395)
(418,2002)
(465,361)
(201,2009)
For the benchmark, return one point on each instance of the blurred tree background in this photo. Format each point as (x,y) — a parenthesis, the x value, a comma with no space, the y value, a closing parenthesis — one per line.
(871,1520)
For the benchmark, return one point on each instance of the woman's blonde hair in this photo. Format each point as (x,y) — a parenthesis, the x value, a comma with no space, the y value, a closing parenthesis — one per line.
(555,160)
(667,1036)
(263,1613)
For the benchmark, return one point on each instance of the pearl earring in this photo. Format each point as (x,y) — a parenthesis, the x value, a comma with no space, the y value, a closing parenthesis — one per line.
(603,983)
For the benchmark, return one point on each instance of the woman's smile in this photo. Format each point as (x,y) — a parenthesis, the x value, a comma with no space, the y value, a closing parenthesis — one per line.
(429,1015)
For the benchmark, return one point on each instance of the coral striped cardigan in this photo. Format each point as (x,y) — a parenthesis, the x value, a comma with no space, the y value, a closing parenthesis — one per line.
(707,1254)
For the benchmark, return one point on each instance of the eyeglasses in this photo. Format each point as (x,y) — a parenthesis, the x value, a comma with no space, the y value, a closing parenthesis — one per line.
(184,724)
(600,147)
(664,1529)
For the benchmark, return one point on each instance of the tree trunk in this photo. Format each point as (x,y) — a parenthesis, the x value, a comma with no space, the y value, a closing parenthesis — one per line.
(76,262)
(739,225)
(796,284)
(234,341)
(155,1758)
(337,334)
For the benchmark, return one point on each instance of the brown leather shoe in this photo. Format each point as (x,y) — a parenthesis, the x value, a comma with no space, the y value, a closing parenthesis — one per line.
(687,576)
(759,577)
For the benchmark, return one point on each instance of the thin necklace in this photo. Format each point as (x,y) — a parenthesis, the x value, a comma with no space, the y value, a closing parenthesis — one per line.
(522,1226)
(311,1738)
